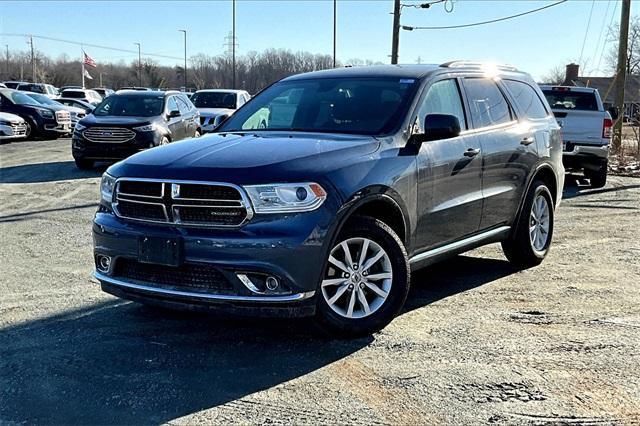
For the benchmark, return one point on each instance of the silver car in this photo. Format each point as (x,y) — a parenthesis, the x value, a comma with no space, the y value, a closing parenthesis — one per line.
(215,105)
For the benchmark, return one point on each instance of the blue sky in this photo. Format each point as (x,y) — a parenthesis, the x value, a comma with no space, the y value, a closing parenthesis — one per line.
(534,43)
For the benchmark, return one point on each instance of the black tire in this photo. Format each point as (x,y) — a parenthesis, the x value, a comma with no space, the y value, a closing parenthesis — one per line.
(83,164)
(32,129)
(337,325)
(519,248)
(597,179)
(164,141)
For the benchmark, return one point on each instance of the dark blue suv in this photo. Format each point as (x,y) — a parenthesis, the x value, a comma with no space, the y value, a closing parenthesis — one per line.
(321,194)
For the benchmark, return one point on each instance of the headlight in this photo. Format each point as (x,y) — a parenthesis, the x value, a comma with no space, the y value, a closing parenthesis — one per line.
(148,128)
(107,185)
(80,127)
(45,112)
(286,198)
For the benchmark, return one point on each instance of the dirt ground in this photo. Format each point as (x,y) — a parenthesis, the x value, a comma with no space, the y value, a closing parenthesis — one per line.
(477,343)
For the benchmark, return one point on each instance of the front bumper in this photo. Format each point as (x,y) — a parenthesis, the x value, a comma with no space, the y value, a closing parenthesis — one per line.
(84,149)
(13,131)
(290,248)
(59,127)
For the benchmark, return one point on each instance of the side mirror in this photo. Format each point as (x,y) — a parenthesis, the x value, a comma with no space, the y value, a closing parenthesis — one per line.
(613,111)
(437,127)
(173,114)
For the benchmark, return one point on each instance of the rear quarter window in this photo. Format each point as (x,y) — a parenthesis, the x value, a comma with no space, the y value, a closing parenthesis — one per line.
(527,98)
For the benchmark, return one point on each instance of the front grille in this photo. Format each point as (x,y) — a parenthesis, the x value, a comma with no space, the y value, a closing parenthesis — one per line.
(63,117)
(195,277)
(19,129)
(181,203)
(108,134)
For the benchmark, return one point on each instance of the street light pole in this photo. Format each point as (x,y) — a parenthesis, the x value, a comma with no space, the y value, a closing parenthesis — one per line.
(101,78)
(139,65)
(335,4)
(233,44)
(7,46)
(185,58)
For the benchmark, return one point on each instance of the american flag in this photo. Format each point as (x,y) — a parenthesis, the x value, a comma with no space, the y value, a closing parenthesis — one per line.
(88,60)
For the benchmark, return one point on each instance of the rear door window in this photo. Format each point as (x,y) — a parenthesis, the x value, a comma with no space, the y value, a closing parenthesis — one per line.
(527,99)
(487,103)
(561,98)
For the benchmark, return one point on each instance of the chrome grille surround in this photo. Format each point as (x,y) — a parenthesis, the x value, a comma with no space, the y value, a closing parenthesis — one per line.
(19,129)
(169,202)
(108,134)
(63,117)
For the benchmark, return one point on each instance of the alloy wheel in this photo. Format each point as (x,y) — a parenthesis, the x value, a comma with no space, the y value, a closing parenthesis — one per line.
(358,279)
(539,223)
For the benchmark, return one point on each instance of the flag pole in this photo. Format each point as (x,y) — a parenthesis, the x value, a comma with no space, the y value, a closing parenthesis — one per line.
(82,62)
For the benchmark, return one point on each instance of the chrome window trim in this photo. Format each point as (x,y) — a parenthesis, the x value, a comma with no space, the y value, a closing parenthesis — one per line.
(204,296)
(243,195)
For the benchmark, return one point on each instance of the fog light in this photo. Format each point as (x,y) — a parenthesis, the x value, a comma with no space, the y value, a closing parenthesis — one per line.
(103,263)
(272,283)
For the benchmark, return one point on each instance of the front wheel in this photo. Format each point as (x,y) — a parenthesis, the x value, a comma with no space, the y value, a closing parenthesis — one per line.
(164,141)
(530,243)
(366,280)
(196,134)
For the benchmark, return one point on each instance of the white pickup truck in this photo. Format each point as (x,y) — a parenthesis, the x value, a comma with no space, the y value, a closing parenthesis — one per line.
(586,130)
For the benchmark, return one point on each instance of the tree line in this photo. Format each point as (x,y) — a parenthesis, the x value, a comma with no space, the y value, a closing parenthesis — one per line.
(254,70)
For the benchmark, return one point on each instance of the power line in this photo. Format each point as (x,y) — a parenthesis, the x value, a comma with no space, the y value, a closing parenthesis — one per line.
(449,27)
(97,46)
(604,43)
(602,27)
(586,33)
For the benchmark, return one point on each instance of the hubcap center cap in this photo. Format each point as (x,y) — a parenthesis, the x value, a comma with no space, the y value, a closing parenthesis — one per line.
(356,278)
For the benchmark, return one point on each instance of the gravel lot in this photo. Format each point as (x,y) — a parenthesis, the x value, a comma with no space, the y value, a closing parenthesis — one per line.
(477,343)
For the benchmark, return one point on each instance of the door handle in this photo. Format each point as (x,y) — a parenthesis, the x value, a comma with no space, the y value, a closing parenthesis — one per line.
(472,152)
(527,141)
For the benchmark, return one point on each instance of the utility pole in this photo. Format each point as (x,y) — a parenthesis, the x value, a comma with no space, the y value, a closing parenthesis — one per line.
(33,61)
(621,74)
(395,38)
(185,58)
(7,46)
(335,5)
(139,65)
(233,44)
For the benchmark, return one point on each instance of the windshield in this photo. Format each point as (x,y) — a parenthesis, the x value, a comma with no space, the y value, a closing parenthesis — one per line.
(568,99)
(43,99)
(20,98)
(368,106)
(130,106)
(214,100)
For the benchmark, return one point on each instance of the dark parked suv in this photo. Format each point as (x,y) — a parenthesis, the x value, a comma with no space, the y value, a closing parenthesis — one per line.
(368,174)
(47,121)
(131,121)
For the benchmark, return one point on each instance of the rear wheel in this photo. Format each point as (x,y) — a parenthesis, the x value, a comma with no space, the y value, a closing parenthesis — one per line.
(83,164)
(366,280)
(530,243)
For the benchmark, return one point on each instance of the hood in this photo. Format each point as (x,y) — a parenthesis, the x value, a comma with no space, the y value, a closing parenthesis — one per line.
(93,120)
(74,109)
(213,112)
(12,118)
(249,158)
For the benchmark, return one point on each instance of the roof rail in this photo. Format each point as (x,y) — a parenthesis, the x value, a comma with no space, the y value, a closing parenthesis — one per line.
(478,64)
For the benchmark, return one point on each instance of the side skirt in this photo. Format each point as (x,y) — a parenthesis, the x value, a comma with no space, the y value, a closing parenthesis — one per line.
(469,243)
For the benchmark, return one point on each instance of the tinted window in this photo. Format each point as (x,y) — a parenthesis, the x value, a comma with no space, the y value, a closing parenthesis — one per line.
(341,105)
(214,100)
(443,97)
(130,106)
(568,99)
(73,94)
(20,98)
(488,105)
(527,98)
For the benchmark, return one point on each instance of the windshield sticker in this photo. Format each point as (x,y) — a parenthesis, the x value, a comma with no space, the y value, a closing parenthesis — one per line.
(407,81)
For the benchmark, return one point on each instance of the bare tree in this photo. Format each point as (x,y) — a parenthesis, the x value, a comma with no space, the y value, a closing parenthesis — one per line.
(555,75)
(633,48)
